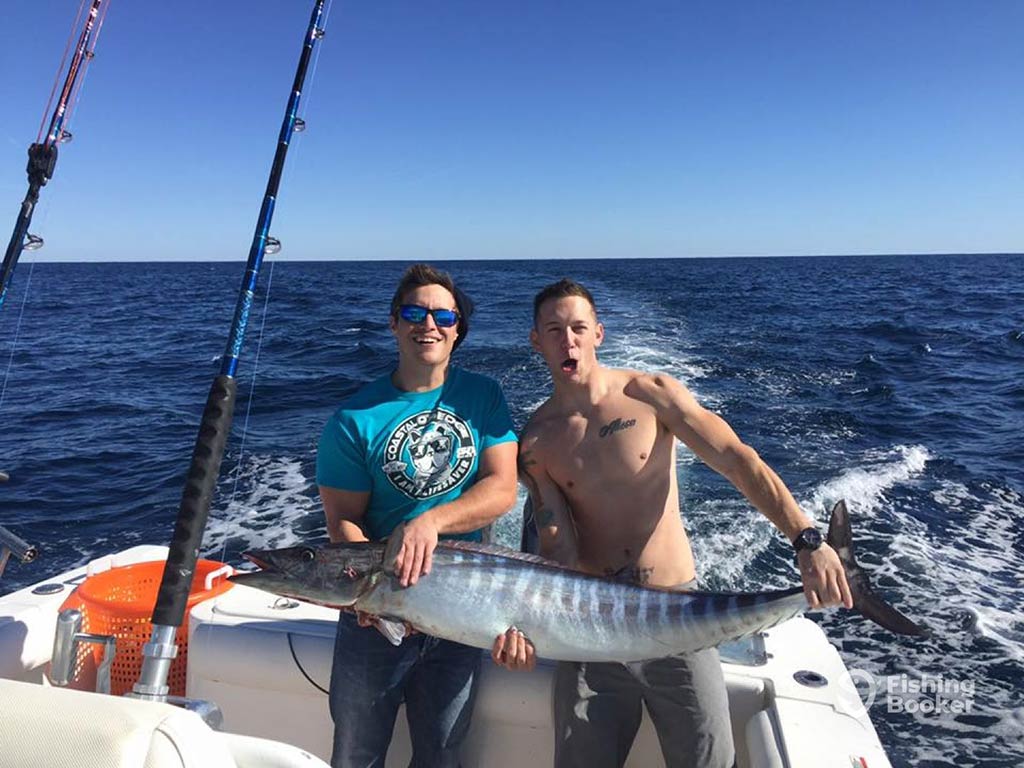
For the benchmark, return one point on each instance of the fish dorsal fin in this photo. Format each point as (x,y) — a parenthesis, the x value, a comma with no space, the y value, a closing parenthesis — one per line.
(498,551)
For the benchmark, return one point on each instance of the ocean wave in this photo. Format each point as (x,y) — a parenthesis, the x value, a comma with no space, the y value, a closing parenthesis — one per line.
(864,486)
(271,503)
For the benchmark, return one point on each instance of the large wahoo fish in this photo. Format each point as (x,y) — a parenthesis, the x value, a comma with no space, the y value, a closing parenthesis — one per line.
(474,593)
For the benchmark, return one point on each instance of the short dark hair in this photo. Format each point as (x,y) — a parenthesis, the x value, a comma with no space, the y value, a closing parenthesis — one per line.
(419,275)
(560,290)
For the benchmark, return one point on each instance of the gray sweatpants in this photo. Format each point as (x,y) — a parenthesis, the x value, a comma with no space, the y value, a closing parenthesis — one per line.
(598,711)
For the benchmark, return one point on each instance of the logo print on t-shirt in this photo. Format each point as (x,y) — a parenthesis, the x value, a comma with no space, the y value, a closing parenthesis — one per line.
(429,454)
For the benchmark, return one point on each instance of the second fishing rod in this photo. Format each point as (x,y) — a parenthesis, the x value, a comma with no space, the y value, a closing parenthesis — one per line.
(42,155)
(217,416)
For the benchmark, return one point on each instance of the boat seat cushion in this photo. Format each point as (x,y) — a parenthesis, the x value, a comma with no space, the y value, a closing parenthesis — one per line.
(43,725)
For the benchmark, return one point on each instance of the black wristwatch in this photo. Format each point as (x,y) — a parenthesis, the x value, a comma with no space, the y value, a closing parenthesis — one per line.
(808,538)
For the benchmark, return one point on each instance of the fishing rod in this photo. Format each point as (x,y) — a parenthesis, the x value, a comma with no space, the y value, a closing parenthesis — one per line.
(216,422)
(42,155)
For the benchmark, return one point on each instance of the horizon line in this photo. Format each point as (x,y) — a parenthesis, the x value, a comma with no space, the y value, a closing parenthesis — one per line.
(292,260)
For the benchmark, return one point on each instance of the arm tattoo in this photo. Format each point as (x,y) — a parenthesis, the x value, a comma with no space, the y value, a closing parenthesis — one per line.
(526,460)
(616,426)
(542,516)
(531,485)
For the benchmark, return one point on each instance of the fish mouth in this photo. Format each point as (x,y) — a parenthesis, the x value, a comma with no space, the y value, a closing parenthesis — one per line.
(259,559)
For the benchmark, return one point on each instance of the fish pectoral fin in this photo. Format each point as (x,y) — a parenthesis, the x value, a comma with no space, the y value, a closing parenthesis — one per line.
(393,629)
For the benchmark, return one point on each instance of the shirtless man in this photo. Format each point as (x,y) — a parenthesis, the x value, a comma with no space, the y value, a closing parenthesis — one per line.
(598,459)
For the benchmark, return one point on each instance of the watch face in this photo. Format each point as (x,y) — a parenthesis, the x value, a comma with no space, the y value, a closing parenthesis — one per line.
(811,538)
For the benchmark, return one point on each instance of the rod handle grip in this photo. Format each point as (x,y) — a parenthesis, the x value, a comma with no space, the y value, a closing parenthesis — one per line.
(195,503)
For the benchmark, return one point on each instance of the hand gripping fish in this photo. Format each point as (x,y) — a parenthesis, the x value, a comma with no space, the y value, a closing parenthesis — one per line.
(475,592)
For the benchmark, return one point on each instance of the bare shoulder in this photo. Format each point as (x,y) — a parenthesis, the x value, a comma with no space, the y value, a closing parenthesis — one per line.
(541,421)
(621,379)
(648,386)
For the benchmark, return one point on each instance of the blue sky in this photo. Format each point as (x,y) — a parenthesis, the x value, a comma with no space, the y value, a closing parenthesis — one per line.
(458,129)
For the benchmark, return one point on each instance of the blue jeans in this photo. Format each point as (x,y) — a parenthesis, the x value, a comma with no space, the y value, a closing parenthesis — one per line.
(369,680)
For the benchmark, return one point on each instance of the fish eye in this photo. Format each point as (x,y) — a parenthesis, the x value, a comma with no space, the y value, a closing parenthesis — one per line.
(308,554)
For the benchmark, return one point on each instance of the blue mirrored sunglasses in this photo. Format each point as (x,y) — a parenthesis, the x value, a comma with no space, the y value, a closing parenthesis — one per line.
(415,314)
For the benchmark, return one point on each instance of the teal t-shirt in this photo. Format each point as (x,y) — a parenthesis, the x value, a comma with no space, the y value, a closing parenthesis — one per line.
(412,450)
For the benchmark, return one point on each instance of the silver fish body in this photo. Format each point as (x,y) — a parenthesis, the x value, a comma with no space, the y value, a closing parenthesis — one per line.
(474,593)
(473,596)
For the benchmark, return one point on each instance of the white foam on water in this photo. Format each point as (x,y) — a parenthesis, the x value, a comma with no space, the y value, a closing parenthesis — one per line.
(685,456)
(864,487)
(977,561)
(273,507)
(535,405)
(507,530)
(649,340)
(653,353)
(995,624)
(782,383)
(726,536)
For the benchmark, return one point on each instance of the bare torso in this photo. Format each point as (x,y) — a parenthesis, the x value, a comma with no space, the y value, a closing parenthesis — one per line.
(615,465)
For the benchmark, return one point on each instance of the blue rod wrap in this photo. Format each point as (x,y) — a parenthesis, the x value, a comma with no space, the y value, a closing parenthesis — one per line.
(229,362)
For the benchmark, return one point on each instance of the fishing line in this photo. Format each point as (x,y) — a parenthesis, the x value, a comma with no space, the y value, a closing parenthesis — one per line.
(76,93)
(72,98)
(60,71)
(43,219)
(17,332)
(316,59)
(300,124)
(248,406)
(298,664)
(296,149)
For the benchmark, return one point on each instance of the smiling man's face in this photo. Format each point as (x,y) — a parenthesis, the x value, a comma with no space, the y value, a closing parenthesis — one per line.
(426,342)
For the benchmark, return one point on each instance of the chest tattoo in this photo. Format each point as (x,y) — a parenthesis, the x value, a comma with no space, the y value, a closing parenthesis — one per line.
(616,426)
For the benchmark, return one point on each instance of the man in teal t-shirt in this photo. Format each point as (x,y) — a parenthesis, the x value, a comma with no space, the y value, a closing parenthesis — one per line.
(423,452)
(412,450)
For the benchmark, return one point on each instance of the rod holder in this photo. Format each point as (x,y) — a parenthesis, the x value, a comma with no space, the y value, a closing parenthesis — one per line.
(157,656)
(65,650)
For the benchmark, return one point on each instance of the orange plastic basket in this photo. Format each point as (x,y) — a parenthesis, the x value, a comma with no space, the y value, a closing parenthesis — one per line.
(119,602)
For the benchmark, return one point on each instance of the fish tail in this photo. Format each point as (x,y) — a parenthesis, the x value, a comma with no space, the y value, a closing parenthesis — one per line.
(865,601)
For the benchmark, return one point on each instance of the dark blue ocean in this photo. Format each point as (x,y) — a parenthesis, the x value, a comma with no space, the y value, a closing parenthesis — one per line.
(896,383)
